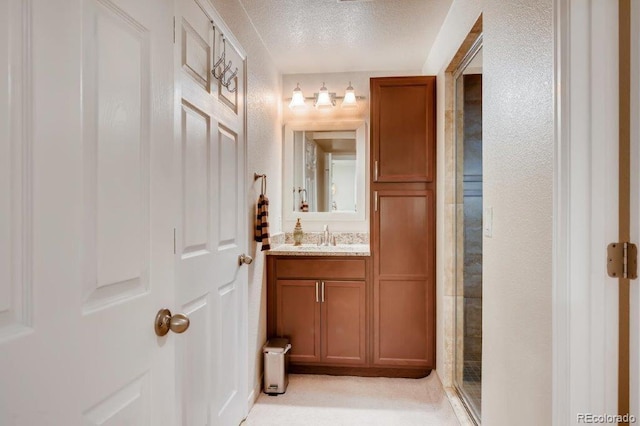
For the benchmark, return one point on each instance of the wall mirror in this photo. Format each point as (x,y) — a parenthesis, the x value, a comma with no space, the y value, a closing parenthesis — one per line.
(324,172)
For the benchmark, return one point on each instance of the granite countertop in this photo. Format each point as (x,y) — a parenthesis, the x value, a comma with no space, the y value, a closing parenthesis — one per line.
(316,250)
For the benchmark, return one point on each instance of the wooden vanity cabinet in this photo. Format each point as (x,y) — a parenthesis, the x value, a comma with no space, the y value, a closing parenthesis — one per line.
(320,304)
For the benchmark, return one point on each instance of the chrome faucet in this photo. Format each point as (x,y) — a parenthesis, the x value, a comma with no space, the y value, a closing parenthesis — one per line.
(326,237)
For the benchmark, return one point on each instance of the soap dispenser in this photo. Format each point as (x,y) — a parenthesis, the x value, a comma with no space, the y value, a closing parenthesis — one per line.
(297,234)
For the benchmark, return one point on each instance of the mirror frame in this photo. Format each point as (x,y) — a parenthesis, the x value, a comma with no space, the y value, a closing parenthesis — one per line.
(316,219)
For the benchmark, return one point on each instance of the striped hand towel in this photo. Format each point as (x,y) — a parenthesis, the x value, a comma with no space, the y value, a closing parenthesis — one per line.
(262,223)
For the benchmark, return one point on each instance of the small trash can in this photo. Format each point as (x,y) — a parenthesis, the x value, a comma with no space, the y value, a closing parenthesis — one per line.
(276,363)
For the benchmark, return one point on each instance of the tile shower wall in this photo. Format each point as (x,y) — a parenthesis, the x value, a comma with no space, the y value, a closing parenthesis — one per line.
(264,148)
(472,219)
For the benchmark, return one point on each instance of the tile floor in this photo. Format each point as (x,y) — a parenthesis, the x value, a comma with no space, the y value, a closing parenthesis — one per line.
(317,400)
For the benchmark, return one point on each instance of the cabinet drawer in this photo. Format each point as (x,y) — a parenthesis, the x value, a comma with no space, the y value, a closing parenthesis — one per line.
(321,268)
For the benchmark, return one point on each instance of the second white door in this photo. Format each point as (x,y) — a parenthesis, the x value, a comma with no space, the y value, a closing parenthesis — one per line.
(211,230)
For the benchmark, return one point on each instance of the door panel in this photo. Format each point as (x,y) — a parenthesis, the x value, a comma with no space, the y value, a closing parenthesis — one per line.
(403,324)
(403,284)
(211,233)
(196,180)
(404,233)
(228,167)
(129,405)
(116,107)
(196,373)
(90,256)
(196,56)
(228,377)
(298,318)
(344,322)
(403,129)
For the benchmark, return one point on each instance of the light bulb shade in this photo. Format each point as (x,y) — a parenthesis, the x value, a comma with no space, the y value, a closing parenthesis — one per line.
(324,100)
(349,100)
(297,99)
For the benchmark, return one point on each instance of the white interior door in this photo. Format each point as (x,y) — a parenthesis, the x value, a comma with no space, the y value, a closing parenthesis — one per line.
(86,221)
(211,231)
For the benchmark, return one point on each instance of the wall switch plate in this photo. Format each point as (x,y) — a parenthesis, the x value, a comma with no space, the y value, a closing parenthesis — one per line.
(487,222)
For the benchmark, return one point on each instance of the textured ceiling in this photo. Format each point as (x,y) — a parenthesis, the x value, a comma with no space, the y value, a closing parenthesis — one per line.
(311,36)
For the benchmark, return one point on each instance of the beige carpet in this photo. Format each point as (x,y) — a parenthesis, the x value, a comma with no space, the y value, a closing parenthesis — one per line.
(339,400)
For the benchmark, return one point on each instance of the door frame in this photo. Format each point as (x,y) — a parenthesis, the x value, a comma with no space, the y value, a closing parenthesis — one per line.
(585,212)
(634,353)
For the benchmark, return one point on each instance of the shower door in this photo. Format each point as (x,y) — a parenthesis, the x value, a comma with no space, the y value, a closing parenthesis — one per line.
(469,230)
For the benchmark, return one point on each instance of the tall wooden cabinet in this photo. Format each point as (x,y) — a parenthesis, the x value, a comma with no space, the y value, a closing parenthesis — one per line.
(403,161)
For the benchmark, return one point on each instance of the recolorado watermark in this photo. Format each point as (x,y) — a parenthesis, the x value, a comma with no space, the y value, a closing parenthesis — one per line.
(605,418)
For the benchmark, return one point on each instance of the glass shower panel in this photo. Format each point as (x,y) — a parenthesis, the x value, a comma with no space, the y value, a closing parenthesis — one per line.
(468,327)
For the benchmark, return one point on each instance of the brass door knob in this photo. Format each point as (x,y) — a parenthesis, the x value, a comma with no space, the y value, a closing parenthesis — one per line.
(244,259)
(178,323)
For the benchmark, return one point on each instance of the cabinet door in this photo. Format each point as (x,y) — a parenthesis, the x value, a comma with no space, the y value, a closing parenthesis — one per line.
(298,318)
(343,322)
(404,290)
(403,129)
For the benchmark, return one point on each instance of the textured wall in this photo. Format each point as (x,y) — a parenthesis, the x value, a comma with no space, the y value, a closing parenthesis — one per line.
(264,147)
(518,176)
(518,172)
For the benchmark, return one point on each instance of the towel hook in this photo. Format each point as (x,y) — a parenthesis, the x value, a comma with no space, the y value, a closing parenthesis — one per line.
(263,184)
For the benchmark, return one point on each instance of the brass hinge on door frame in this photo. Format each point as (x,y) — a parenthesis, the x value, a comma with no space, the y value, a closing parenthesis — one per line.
(622,260)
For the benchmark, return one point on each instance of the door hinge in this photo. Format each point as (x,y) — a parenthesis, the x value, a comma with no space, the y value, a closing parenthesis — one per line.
(622,260)
(174,30)
(174,240)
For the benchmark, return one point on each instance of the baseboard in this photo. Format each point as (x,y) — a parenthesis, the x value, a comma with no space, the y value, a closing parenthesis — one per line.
(254,394)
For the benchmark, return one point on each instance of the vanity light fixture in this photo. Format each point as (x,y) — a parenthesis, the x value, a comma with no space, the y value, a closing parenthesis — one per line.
(324,100)
(297,99)
(349,100)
